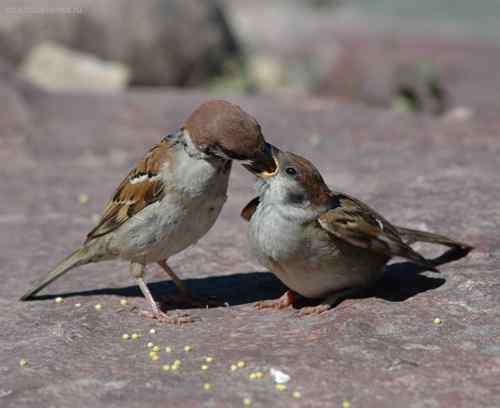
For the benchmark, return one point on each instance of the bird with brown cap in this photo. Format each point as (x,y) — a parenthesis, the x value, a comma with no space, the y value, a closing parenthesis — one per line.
(324,244)
(172,197)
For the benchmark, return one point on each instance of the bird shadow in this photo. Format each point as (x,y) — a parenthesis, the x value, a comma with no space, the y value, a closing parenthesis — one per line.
(401,281)
(236,289)
(404,280)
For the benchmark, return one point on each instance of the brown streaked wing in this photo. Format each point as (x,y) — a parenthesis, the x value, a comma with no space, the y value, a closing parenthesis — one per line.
(356,223)
(130,198)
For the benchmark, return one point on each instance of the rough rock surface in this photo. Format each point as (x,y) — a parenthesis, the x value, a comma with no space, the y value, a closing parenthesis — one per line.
(155,38)
(382,350)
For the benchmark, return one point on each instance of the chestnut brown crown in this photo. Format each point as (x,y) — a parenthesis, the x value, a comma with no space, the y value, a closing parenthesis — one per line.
(222,125)
(305,174)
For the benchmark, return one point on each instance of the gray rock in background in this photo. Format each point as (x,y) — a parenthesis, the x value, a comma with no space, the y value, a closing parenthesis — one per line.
(164,42)
(55,68)
(366,52)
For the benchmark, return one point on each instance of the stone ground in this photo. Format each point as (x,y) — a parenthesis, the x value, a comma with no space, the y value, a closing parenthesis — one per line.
(382,350)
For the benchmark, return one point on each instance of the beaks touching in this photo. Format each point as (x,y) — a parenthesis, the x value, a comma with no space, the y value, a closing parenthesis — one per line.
(264,164)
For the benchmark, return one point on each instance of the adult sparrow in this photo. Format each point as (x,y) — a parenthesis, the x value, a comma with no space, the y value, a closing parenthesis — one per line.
(322,243)
(172,197)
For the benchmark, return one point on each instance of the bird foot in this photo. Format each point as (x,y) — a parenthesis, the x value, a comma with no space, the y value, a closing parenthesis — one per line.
(167,319)
(313,310)
(278,304)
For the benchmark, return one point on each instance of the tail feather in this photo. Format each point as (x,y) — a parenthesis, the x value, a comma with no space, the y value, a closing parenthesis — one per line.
(407,252)
(457,249)
(77,258)
(411,236)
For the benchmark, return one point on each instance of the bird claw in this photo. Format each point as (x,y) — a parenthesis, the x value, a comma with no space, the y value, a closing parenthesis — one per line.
(313,310)
(164,318)
(278,304)
(270,304)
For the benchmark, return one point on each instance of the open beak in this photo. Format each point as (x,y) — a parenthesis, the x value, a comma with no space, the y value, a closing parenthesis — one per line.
(264,163)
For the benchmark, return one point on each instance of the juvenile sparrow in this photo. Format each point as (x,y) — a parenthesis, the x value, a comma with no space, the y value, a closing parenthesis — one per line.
(172,197)
(321,243)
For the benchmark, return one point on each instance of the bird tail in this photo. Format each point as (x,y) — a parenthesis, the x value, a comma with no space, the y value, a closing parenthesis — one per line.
(457,249)
(81,256)
(405,251)
(411,236)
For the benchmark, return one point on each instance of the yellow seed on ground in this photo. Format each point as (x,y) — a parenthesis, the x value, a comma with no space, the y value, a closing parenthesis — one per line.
(252,376)
(168,349)
(207,387)
(125,336)
(59,300)
(123,302)
(152,353)
(152,331)
(23,362)
(135,336)
(83,198)
(174,367)
(209,359)
(346,404)
(234,367)
(156,349)
(98,307)
(281,387)
(155,357)
(296,395)
(177,362)
(149,345)
(240,364)
(247,402)
(166,367)
(437,320)
(204,367)
(187,349)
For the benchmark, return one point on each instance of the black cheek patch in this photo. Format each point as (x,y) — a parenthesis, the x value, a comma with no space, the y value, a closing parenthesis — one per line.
(296,198)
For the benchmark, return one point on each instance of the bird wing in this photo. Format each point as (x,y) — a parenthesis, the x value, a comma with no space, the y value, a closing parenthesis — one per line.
(142,187)
(356,223)
(250,209)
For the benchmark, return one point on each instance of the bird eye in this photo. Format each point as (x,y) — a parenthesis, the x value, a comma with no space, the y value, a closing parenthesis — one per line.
(291,171)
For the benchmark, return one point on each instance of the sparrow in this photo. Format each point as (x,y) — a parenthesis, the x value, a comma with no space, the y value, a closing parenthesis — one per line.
(172,197)
(323,244)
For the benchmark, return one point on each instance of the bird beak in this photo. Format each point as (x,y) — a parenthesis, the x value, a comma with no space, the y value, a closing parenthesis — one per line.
(264,163)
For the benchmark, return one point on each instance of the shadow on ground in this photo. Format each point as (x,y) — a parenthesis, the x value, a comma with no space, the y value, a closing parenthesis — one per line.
(401,281)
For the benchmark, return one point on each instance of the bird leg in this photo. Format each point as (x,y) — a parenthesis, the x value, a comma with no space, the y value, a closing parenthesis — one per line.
(278,304)
(185,296)
(331,301)
(137,271)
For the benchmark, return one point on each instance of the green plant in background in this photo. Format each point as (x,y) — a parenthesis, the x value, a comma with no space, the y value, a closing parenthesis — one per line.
(419,88)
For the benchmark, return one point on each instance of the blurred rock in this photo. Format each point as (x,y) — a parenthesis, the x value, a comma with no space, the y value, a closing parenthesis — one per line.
(55,68)
(358,50)
(164,42)
(417,87)
(267,73)
(14,115)
(384,75)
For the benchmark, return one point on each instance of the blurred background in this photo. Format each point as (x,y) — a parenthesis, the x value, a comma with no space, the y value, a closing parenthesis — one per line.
(432,57)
